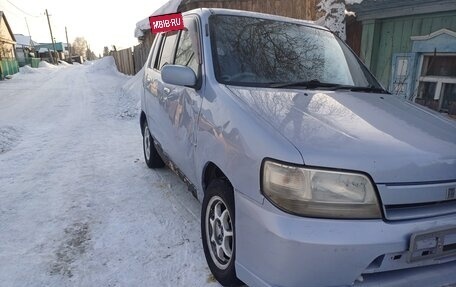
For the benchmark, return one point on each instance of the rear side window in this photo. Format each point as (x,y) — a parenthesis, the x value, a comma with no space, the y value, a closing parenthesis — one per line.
(167,50)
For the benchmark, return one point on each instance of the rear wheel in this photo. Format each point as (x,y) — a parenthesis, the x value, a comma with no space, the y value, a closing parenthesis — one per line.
(217,232)
(151,156)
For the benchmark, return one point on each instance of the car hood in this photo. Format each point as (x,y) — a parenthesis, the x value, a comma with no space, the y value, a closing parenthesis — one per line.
(393,140)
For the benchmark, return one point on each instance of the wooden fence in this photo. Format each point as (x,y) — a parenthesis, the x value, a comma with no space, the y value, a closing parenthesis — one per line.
(140,54)
(300,9)
(124,61)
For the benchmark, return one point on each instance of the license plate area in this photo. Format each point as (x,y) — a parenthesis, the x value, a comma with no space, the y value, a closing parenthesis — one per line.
(432,244)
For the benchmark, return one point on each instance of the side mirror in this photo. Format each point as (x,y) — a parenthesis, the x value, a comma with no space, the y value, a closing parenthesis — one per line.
(178,75)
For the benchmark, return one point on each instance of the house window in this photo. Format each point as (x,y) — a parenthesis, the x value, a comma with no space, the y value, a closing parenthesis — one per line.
(437,83)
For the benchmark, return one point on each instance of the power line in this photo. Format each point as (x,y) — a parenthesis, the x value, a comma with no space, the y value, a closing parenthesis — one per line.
(22,10)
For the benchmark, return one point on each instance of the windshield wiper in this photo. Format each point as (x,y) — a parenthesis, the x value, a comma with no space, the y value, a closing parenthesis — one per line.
(313,84)
(370,89)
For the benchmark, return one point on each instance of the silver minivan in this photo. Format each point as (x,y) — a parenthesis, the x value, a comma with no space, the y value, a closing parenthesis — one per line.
(309,172)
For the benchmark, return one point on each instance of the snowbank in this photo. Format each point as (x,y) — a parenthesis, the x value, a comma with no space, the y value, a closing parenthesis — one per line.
(44,64)
(130,98)
(63,63)
(9,137)
(27,70)
(351,2)
(125,90)
(103,65)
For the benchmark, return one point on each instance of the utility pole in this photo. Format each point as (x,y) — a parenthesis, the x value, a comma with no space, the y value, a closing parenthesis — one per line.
(52,38)
(68,45)
(28,29)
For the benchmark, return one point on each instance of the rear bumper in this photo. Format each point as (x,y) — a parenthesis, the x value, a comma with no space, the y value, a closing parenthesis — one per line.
(277,249)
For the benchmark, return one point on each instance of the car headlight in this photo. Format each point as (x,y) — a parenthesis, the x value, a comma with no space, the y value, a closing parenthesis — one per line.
(321,193)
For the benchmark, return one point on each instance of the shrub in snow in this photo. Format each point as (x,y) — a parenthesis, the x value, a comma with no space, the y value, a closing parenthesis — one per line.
(334,15)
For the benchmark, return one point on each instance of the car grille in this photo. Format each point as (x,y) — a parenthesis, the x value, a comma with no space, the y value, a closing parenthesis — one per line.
(419,210)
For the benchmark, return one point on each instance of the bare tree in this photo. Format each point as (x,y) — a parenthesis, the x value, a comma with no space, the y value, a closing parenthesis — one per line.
(105,51)
(90,55)
(79,46)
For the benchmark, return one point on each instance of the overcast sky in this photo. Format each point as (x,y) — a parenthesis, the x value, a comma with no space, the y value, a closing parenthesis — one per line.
(100,22)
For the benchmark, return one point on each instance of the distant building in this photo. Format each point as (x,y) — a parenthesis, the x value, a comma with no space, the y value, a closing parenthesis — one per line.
(45,49)
(410,46)
(24,49)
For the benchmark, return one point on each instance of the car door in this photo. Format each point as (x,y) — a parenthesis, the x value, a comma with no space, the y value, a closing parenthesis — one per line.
(156,92)
(179,106)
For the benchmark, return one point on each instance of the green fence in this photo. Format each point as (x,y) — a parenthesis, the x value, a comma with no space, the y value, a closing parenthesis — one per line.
(8,67)
(32,62)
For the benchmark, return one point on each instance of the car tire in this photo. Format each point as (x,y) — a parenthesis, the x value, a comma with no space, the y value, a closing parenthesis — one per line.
(217,232)
(151,156)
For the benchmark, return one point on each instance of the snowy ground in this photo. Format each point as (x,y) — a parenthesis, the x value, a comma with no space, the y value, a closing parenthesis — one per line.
(78,207)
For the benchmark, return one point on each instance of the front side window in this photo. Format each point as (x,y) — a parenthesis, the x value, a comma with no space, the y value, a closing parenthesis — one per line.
(167,50)
(258,52)
(154,52)
(185,54)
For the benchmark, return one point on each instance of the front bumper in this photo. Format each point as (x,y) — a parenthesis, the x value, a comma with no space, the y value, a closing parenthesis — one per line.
(278,249)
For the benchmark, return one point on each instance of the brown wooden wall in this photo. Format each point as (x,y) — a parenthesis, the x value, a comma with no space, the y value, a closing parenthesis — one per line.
(300,9)
(354,31)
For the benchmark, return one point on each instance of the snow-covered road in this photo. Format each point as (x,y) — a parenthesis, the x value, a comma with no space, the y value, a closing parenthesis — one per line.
(78,206)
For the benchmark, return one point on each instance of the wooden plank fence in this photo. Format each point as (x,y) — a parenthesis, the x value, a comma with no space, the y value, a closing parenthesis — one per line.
(140,54)
(300,9)
(124,61)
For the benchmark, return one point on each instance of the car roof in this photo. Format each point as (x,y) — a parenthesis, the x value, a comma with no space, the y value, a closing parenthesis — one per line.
(222,11)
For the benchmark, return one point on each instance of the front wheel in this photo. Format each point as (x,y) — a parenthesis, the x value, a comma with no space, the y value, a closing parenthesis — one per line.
(217,232)
(151,156)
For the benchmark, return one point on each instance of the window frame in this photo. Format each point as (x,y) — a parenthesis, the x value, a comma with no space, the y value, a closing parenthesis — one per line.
(156,45)
(158,58)
(158,48)
(439,80)
(195,54)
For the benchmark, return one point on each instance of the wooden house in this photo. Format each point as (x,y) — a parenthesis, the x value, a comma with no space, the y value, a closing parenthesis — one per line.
(8,63)
(410,46)
(7,40)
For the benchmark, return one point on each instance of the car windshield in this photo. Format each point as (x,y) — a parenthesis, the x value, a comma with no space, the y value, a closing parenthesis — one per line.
(251,51)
